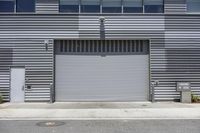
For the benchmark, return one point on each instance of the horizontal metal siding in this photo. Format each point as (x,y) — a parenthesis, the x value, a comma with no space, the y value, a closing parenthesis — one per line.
(122,27)
(132,27)
(5,82)
(38,26)
(175,1)
(181,62)
(31,54)
(25,35)
(170,35)
(5,61)
(47,6)
(175,8)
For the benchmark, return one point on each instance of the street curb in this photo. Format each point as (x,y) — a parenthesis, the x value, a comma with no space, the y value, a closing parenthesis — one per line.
(84,114)
(85,119)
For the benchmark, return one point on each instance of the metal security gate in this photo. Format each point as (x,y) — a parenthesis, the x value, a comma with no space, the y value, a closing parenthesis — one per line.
(99,70)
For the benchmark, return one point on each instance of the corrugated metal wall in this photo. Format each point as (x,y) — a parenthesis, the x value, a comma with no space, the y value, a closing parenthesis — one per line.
(174,45)
(47,6)
(182,60)
(32,54)
(175,6)
(5,61)
(23,36)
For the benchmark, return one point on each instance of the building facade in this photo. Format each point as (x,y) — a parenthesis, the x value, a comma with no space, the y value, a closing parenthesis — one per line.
(98,50)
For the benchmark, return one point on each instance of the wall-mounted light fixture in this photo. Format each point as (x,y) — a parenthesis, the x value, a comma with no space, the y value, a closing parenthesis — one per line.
(101,19)
(46,43)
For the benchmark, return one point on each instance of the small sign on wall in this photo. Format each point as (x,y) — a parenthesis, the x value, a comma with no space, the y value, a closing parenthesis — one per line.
(183,86)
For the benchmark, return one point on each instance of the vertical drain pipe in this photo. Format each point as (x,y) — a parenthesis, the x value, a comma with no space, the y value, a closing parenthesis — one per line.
(152,95)
(102,28)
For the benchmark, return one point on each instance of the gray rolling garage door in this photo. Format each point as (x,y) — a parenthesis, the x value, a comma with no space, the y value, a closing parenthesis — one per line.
(114,70)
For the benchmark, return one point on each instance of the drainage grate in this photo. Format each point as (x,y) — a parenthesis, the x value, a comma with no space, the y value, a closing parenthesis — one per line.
(50,123)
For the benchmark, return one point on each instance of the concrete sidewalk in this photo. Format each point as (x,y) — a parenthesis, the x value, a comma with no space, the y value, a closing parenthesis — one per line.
(99,110)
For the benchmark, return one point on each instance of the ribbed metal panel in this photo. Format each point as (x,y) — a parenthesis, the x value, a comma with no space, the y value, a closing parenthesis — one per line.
(174,46)
(5,61)
(25,35)
(101,47)
(175,1)
(4,82)
(182,61)
(38,62)
(102,70)
(47,6)
(175,8)
(38,26)
(122,27)
(22,44)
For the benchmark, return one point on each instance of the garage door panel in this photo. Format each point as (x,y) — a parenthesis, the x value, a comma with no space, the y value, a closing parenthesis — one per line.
(102,78)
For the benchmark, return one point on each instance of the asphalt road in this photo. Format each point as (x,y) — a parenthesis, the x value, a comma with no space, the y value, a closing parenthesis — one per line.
(102,126)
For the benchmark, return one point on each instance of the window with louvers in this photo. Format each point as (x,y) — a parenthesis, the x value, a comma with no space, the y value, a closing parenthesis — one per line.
(102,47)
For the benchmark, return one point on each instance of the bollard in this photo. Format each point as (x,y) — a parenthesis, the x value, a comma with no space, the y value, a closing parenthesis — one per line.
(51,93)
(155,83)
